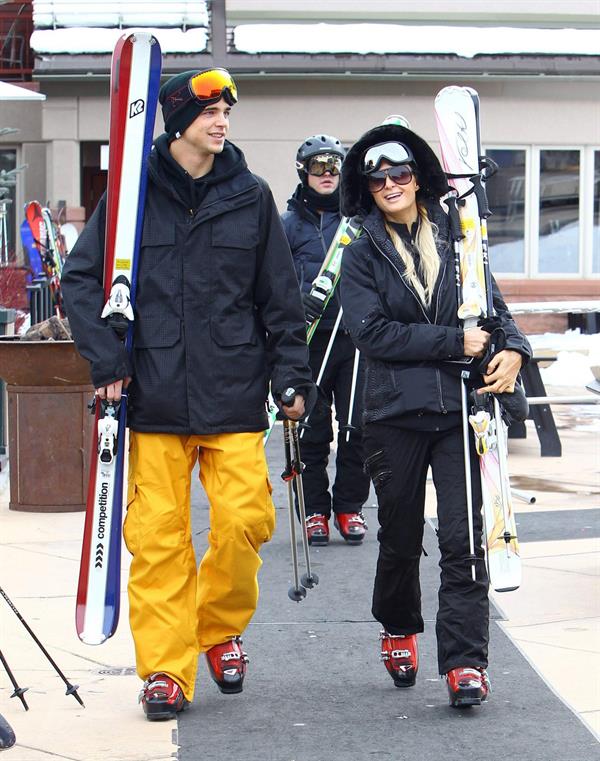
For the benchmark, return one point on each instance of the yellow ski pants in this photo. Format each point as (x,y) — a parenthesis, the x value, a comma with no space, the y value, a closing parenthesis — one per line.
(176,610)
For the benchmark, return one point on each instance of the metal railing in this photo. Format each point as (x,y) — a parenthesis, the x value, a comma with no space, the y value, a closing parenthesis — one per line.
(40,299)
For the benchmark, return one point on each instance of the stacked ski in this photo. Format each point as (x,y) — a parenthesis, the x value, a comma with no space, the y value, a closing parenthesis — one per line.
(56,247)
(135,79)
(457,115)
(43,248)
(324,285)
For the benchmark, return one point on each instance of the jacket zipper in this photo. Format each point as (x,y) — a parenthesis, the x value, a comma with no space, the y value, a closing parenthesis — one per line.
(439,385)
(437,301)
(321,236)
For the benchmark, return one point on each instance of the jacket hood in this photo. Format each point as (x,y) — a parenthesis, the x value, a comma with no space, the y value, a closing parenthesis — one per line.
(168,174)
(356,199)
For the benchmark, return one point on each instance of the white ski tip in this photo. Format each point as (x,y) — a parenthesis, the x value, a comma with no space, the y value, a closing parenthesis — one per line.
(95,638)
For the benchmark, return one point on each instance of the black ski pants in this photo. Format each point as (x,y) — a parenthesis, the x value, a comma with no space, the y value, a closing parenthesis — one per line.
(397,460)
(350,488)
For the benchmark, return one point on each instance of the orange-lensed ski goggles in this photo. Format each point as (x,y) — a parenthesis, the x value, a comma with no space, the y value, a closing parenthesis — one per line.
(205,87)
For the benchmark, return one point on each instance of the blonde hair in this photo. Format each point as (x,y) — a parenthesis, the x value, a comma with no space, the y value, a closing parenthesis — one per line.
(429,259)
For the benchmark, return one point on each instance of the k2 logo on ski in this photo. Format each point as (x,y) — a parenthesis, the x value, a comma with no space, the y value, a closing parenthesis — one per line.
(135,108)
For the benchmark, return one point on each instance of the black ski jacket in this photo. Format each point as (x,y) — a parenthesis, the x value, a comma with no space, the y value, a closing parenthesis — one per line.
(218,313)
(409,349)
(309,235)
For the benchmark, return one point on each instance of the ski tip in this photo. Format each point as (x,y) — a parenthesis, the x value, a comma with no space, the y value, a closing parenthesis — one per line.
(92,638)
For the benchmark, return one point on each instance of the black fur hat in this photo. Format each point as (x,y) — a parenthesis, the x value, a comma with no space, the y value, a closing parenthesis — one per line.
(354,196)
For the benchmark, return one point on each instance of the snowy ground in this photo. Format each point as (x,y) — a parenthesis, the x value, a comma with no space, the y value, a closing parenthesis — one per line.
(576,354)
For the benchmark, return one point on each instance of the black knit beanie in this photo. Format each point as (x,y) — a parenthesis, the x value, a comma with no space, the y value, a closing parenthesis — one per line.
(177,120)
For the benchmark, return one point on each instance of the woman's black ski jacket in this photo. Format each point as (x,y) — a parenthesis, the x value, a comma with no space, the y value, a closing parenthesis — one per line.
(412,353)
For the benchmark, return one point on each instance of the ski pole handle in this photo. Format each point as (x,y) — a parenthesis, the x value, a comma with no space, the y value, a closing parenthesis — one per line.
(288,396)
(481,196)
(454,216)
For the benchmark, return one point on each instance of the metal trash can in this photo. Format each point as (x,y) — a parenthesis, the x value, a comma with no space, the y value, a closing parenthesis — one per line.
(49,425)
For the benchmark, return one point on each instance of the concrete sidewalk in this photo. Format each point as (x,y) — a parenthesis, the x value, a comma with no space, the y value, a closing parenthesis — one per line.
(315,688)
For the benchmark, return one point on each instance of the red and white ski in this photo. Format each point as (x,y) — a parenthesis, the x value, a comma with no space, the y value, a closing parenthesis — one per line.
(457,116)
(135,80)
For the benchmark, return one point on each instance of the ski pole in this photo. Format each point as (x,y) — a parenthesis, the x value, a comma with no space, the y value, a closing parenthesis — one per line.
(293,474)
(19,692)
(325,360)
(296,592)
(349,427)
(467,460)
(309,579)
(71,688)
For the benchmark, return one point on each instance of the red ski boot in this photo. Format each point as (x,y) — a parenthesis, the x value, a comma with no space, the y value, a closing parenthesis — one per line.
(227,665)
(467,686)
(400,656)
(162,698)
(317,529)
(352,526)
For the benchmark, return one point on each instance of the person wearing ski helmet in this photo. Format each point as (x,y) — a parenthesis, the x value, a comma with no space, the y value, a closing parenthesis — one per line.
(218,318)
(400,304)
(311,222)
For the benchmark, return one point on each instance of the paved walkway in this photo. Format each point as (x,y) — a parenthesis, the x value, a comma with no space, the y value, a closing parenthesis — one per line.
(315,688)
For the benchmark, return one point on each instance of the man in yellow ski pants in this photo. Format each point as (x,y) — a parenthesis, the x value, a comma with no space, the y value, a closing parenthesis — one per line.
(198,609)
(218,318)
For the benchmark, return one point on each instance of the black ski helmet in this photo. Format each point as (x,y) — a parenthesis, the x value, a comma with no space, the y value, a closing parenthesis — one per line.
(314,145)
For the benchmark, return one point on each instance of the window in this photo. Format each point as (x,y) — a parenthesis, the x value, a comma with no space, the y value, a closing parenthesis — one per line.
(596,216)
(559,212)
(8,180)
(545,205)
(506,197)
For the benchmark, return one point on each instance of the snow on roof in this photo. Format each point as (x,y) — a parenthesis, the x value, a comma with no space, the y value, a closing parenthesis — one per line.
(168,13)
(397,39)
(13,92)
(94,41)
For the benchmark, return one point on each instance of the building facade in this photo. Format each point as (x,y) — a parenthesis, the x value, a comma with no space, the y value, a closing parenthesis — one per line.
(540,110)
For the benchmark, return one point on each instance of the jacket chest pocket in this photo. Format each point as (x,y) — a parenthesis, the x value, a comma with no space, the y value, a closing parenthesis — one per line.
(235,241)
(236,232)
(159,266)
(158,244)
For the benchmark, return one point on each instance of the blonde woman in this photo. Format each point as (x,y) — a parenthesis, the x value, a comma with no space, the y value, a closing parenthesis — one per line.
(399,298)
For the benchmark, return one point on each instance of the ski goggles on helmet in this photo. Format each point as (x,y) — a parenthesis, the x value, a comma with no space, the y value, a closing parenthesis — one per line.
(205,88)
(324,162)
(400,175)
(395,153)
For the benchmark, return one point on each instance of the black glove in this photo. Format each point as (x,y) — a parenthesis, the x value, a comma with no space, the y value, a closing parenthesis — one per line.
(313,307)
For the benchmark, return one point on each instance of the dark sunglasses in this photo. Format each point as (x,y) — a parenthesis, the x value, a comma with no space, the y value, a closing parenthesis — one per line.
(400,175)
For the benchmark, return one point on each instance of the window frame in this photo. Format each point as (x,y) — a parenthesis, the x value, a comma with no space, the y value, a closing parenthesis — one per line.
(532,210)
(13,209)
(535,192)
(527,209)
(587,212)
